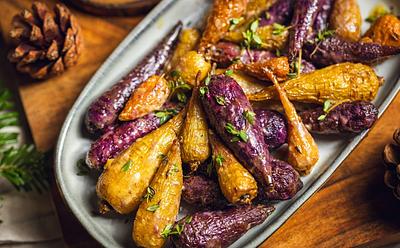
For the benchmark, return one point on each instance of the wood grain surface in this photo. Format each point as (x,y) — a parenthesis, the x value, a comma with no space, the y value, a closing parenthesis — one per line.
(352,208)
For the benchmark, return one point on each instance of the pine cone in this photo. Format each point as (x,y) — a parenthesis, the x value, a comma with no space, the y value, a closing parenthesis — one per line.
(391,158)
(48,42)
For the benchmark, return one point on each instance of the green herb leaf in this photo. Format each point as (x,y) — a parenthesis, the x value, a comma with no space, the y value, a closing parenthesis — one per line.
(228,73)
(250,36)
(83,169)
(254,26)
(250,116)
(166,231)
(219,159)
(267,15)
(150,192)
(243,136)
(321,117)
(203,90)
(220,100)
(278,53)
(231,129)
(165,115)
(127,166)
(207,80)
(322,35)
(327,105)
(278,29)
(153,208)
(178,229)
(188,219)
(240,135)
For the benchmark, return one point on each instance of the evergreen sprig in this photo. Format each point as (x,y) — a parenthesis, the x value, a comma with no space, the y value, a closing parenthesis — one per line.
(24,167)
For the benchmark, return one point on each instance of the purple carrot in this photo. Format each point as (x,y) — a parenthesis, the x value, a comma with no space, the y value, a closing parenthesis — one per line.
(304,15)
(104,111)
(334,50)
(348,117)
(280,13)
(122,136)
(219,228)
(322,19)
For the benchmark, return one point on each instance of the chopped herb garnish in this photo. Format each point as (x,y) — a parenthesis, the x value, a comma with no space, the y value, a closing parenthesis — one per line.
(278,53)
(240,135)
(251,37)
(219,159)
(179,228)
(167,231)
(378,11)
(233,22)
(203,90)
(267,15)
(150,192)
(228,73)
(152,208)
(321,117)
(165,115)
(83,169)
(278,29)
(127,166)
(254,26)
(250,116)
(188,219)
(220,100)
(327,105)
(178,86)
(207,80)
(173,230)
(322,35)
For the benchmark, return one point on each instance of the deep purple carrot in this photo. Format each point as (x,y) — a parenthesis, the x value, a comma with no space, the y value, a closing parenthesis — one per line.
(219,228)
(200,191)
(348,117)
(274,127)
(110,144)
(104,111)
(334,50)
(322,19)
(303,19)
(280,13)
(233,120)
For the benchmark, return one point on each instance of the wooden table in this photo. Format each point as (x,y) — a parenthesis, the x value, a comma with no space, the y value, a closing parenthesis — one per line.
(353,207)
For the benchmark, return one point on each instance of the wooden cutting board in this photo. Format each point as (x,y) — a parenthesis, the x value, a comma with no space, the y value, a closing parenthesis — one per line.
(353,207)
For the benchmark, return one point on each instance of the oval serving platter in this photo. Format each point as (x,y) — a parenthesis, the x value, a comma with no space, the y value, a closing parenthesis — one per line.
(79,191)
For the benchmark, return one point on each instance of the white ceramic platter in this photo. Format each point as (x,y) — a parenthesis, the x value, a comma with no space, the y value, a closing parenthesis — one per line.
(79,191)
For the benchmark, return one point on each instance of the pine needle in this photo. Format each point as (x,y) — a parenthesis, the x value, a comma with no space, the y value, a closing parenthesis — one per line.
(24,167)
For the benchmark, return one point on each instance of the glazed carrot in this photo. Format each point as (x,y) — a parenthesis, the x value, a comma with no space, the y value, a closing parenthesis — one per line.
(148,97)
(303,151)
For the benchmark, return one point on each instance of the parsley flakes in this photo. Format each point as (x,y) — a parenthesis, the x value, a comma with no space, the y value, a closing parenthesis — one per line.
(239,135)
(250,116)
(127,166)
